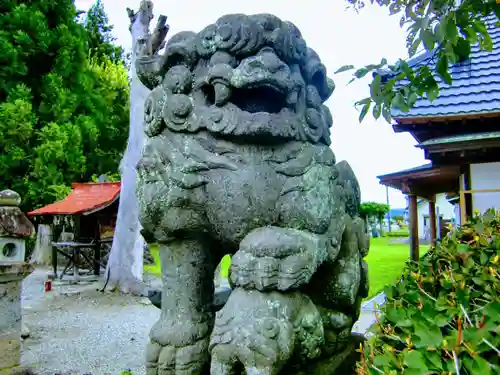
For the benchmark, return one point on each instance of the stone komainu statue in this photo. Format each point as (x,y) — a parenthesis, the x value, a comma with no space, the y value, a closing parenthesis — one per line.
(237,161)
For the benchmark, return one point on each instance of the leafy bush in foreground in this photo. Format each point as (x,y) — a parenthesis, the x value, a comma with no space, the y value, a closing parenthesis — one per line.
(444,315)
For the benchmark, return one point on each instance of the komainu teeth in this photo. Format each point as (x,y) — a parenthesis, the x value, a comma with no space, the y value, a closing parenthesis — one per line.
(222,93)
(292,98)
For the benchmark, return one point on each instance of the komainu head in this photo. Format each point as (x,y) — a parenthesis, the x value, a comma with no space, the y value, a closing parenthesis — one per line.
(250,77)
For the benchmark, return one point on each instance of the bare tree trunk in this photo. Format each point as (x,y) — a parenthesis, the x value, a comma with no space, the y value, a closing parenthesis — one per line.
(42,254)
(125,265)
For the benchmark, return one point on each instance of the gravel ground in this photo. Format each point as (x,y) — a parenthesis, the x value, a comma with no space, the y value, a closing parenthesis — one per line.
(78,329)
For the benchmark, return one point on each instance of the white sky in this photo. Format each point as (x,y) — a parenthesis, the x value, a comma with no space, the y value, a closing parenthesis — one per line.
(340,37)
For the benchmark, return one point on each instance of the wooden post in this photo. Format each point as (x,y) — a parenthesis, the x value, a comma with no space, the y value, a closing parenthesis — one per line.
(56,233)
(388,212)
(432,219)
(76,249)
(414,240)
(463,216)
(97,250)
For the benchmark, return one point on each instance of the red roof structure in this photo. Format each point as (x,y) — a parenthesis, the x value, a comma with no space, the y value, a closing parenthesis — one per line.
(85,198)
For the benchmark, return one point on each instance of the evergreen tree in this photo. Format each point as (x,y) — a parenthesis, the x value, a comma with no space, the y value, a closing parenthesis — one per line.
(100,37)
(63,118)
(108,134)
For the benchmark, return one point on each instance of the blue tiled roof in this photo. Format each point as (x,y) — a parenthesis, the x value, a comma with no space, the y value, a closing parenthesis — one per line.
(420,168)
(460,138)
(475,88)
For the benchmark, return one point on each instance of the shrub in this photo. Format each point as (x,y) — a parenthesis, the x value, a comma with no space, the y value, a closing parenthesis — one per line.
(398,233)
(444,316)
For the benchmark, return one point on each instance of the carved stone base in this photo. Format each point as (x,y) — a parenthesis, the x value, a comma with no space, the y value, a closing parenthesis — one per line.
(341,364)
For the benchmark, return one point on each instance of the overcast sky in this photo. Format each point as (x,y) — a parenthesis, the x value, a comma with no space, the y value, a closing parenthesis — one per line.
(340,37)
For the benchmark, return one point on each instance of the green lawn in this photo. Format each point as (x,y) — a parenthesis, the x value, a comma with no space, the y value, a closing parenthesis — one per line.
(155,269)
(385,262)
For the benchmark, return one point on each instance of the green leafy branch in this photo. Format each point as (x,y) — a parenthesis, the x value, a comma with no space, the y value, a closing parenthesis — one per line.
(445,30)
(443,316)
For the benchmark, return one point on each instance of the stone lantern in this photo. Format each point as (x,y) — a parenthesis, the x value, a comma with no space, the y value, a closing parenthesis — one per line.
(14,229)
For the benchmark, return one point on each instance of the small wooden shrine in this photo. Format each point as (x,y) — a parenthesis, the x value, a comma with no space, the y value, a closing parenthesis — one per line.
(81,223)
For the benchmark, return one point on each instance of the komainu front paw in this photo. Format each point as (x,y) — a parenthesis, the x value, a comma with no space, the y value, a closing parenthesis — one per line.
(178,349)
(171,360)
(273,258)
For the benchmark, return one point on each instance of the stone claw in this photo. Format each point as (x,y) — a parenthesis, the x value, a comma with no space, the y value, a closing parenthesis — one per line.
(178,348)
(266,273)
(273,258)
(172,360)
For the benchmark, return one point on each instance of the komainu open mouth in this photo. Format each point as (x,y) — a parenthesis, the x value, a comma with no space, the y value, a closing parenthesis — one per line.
(258,99)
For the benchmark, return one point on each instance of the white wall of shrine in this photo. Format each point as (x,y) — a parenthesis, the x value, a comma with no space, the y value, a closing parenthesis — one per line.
(444,210)
(485,176)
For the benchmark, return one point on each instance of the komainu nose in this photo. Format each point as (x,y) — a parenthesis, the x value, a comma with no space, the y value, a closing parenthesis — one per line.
(268,60)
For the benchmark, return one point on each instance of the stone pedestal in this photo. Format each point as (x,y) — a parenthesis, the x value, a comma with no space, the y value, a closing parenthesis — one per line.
(11,277)
(343,363)
(14,228)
